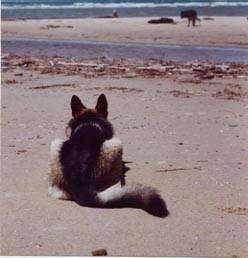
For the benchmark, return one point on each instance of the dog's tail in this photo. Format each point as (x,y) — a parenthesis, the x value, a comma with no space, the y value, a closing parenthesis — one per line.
(132,196)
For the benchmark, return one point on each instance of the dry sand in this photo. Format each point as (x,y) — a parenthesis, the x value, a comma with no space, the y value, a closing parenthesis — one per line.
(183,127)
(167,122)
(220,31)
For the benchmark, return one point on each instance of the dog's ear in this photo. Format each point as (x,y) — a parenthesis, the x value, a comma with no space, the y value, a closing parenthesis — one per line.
(102,105)
(76,106)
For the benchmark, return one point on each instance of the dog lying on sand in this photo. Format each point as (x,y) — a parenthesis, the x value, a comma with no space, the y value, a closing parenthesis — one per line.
(88,168)
(162,20)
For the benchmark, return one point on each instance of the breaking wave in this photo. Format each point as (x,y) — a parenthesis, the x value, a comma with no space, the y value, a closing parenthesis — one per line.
(25,4)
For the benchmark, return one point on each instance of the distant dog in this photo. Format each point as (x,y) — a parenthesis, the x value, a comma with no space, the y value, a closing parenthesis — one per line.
(191,15)
(88,166)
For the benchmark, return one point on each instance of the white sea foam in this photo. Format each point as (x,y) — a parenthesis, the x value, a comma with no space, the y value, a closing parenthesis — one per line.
(123,5)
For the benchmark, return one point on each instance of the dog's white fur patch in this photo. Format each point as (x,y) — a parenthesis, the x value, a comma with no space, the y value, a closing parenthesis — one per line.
(55,147)
(55,192)
(113,192)
(112,143)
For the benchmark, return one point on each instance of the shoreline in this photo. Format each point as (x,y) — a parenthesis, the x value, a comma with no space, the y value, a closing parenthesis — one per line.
(126,43)
(202,17)
(135,50)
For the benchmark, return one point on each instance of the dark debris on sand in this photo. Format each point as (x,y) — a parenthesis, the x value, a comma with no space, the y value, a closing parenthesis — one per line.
(124,67)
(196,72)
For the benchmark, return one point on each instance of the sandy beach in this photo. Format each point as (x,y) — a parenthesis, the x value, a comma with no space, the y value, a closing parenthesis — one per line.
(183,126)
(183,132)
(224,31)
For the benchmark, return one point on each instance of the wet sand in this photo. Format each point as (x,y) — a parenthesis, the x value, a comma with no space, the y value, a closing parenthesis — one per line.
(223,31)
(184,131)
(94,49)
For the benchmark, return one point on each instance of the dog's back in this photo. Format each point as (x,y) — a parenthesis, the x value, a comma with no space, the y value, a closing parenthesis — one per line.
(109,166)
(106,170)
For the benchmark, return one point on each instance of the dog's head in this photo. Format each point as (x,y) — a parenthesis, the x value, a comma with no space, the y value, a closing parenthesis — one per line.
(81,113)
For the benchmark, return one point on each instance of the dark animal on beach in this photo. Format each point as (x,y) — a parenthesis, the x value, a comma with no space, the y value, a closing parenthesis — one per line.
(191,15)
(88,168)
(161,20)
(114,15)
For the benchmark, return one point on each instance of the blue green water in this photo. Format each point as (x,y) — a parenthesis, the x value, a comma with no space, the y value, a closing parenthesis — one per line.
(126,8)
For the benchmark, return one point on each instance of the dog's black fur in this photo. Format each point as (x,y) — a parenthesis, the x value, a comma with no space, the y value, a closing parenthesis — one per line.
(80,152)
(161,20)
(191,15)
(88,167)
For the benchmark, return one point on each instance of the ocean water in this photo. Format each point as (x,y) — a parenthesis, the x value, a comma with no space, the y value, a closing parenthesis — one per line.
(38,9)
